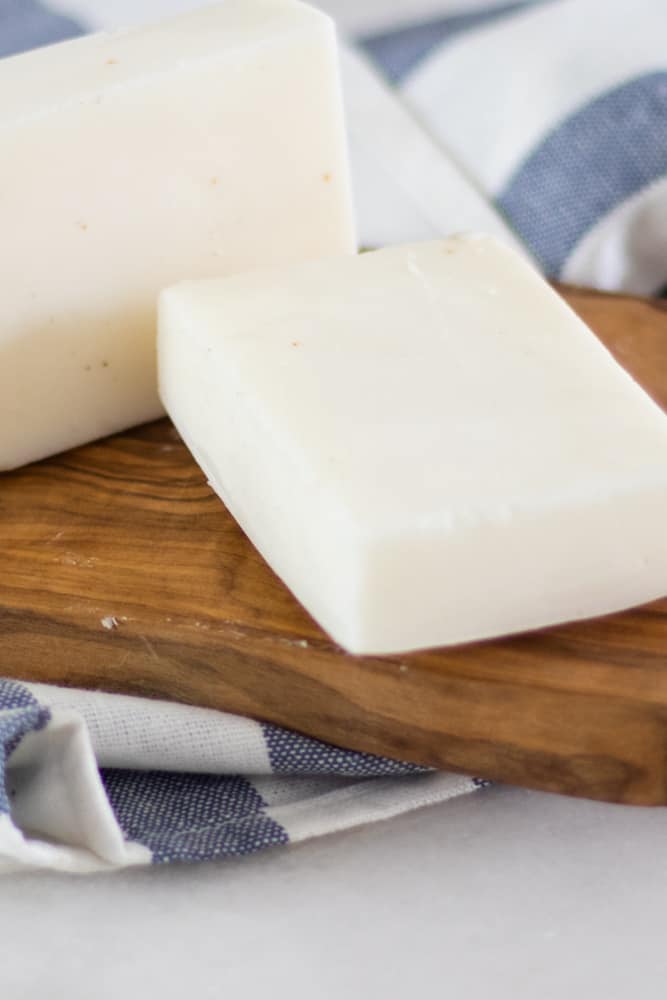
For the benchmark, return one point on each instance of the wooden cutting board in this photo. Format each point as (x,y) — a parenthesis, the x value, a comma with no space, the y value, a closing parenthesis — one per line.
(120,570)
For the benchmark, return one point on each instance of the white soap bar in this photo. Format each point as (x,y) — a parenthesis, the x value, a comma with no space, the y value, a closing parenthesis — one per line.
(425,442)
(203,145)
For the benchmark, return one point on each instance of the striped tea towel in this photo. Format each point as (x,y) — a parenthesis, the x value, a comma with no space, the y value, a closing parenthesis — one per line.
(544,122)
(98,781)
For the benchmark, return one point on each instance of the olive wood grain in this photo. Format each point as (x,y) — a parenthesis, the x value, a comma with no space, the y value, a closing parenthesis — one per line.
(126,533)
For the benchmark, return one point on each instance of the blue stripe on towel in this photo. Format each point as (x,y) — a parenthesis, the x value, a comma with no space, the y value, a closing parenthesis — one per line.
(19,714)
(25,24)
(604,153)
(400,51)
(292,753)
(190,817)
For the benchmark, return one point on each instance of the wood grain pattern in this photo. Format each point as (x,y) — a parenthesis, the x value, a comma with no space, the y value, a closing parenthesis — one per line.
(127,528)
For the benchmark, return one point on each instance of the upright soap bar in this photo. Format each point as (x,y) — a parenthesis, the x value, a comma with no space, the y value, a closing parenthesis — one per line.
(424,442)
(203,145)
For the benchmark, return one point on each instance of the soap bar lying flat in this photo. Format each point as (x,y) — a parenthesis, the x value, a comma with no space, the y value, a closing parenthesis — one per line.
(207,144)
(424,442)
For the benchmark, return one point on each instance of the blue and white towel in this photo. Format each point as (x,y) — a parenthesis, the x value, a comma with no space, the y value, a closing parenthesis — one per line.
(542,121)
(98,781)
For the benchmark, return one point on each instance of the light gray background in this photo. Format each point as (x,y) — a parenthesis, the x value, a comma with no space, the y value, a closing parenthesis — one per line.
(502,894)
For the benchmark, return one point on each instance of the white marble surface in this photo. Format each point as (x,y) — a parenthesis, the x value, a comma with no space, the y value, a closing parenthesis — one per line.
(502,894)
